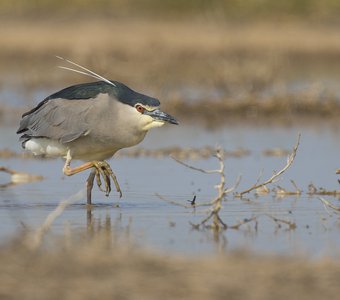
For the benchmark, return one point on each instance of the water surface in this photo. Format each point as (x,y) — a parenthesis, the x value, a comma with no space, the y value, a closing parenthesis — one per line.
(155,223)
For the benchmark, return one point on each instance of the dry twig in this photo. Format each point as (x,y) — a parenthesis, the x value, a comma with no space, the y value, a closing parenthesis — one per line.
(330,205)
(291,224)
(282,192)
(290,160)
(222,191)
(244,221)
(20,177)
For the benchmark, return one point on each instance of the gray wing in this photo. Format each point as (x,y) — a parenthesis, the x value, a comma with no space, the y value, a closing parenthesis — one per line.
(57,119)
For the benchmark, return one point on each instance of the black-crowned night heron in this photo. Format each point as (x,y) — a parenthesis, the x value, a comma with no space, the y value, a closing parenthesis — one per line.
(90,122)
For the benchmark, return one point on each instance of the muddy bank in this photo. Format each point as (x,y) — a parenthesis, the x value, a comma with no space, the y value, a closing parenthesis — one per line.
(99,269)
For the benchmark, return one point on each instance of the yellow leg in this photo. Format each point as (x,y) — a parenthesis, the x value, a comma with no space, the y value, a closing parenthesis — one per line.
(102,168)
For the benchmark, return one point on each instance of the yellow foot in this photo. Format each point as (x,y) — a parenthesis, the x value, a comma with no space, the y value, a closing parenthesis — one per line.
(103,169)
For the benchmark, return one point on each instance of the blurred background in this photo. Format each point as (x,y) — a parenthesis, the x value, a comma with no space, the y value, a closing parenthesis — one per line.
(258,59)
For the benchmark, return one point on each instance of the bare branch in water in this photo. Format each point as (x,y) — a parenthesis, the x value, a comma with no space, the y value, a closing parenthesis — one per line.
(196,169)
(290,160)
(215,204)
(222,191)
(244,221)
(330,205)
(291,225)
(282,192)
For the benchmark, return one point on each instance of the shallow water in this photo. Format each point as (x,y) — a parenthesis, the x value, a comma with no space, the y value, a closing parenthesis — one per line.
(154,223)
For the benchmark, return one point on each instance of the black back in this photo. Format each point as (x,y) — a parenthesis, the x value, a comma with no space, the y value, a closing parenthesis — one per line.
(90,90)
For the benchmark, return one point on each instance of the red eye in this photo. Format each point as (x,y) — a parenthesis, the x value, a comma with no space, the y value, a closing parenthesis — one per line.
(140,108)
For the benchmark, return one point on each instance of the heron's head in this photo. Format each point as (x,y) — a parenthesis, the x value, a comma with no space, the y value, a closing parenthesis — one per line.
(152,116)
(144,109)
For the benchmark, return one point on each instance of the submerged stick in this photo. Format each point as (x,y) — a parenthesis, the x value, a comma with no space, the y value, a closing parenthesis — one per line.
(34,240)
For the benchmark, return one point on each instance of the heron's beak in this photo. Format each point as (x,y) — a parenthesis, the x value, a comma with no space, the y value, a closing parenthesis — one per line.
(161,116)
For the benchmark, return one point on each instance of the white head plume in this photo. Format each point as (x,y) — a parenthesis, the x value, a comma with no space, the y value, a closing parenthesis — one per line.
(85,71)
